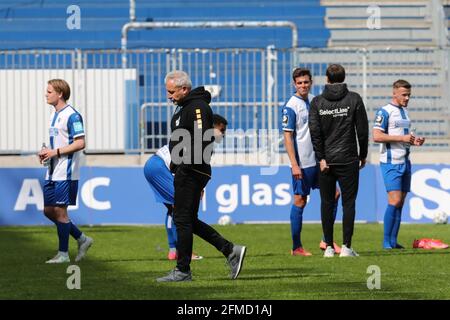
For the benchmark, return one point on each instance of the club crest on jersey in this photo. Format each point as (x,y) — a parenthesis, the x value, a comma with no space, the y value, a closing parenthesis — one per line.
(177,122)
(53,132)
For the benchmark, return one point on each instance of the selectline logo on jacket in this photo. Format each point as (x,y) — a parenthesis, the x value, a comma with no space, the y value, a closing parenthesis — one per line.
(337,112)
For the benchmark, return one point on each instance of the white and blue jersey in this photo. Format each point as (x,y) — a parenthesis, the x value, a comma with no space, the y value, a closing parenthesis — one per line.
(295,119)
(394,156)
(394,121)
(61,185)
(65,126)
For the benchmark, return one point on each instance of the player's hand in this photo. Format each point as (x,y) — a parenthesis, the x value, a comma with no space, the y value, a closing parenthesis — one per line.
(324,166)
(41,156)
(418,141)
(409,138)
(47,154)
(297,172)
(362,163)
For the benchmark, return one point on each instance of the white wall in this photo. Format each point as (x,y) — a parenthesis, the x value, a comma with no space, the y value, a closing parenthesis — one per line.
(98,94)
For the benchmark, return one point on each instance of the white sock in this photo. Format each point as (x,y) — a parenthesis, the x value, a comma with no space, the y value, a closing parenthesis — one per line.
(64,254)
(82,238)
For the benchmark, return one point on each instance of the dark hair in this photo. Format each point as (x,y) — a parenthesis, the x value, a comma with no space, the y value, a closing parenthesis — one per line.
(335,73)
(301,72)
(218,119)
(401,84)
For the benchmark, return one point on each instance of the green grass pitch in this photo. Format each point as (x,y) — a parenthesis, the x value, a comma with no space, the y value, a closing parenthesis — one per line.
(124,262)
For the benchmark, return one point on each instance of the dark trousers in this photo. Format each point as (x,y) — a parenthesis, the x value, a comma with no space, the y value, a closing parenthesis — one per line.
(188,187)
(348,178)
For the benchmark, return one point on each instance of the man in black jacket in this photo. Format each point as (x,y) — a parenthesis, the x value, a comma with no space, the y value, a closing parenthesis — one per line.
(191,146)
(338,124)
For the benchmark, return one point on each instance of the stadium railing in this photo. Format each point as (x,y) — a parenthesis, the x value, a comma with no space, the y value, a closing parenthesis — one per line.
(251,86)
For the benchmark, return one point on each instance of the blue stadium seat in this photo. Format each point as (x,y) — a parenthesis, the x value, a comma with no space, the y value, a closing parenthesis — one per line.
(42,24)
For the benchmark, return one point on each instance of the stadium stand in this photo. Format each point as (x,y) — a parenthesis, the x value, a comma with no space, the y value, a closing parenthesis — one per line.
(407,23)
(408,46)
(42,24)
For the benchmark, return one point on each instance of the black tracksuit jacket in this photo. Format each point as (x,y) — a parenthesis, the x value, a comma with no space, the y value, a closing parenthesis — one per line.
(337,121)
(195,117)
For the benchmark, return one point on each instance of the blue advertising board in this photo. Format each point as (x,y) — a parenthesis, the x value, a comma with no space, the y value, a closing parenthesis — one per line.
(122,196)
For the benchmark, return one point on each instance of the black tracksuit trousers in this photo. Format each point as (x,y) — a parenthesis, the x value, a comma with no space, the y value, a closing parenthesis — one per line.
(188,187)
(348,178)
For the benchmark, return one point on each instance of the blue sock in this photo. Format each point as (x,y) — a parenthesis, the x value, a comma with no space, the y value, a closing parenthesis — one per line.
(63,235)
(296,226)
(396,227)
(74,231)
(389,221)
(170,227)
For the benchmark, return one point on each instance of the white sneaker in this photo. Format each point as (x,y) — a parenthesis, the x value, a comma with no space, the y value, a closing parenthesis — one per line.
(59,258)
(329,252)
(83,248)
(348,252)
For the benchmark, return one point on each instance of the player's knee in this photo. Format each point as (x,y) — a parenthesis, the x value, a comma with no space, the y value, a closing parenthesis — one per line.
(396,202)
(61,214)
(300,202)
(48,211)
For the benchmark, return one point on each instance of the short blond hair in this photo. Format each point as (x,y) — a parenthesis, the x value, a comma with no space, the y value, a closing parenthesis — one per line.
(61,86)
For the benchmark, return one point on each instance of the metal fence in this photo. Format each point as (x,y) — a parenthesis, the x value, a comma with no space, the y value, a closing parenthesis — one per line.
(125,107)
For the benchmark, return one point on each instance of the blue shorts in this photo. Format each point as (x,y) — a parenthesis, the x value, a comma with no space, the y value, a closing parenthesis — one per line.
(397,177)
(160,179)
(60,193)
(310,181)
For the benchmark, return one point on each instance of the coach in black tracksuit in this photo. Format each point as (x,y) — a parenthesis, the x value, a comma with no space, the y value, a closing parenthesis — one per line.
(191,146)
(338,124)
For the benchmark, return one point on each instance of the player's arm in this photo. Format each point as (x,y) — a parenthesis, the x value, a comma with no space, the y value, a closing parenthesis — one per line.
(362,131)
(316,135)
(77,145)
(381,126)
(380,137)
(289,145)
(288,124)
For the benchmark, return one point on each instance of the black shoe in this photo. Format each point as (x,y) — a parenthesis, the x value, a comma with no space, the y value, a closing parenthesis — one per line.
(235,260)
(399,246)
(175,276)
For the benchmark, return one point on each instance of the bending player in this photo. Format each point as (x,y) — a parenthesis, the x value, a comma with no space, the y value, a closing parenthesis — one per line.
(160,179)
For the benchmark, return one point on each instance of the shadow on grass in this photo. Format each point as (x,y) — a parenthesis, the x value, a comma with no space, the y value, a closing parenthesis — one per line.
(404,252)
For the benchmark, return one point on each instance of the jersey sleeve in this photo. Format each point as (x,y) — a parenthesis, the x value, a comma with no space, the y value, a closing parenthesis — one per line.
(288,120)
(75,126)
(381,120)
